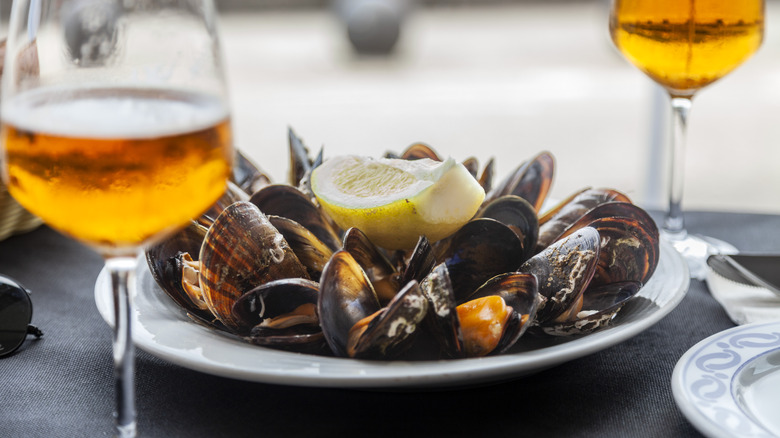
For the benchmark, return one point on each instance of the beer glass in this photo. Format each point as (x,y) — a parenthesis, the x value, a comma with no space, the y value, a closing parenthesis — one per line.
(685,45)
(115,131)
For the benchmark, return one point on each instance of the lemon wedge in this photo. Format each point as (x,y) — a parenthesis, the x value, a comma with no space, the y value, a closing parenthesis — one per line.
(395,201)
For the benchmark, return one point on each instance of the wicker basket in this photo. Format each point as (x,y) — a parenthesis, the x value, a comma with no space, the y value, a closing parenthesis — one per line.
(13,218)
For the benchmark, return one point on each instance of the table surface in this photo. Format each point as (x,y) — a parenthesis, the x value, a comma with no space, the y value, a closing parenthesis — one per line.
(61,385)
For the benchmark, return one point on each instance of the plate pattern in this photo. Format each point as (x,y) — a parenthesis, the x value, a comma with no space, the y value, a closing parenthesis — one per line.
(705,379)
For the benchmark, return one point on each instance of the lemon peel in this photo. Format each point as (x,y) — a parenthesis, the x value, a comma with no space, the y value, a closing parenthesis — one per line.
(395,201)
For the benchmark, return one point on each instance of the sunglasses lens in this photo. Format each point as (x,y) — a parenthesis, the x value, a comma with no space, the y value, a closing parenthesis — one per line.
(15,314)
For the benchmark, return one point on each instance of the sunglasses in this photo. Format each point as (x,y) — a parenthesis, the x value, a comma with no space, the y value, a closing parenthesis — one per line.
(15,316)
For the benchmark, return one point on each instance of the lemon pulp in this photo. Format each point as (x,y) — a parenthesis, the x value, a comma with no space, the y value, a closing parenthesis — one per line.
(396,201)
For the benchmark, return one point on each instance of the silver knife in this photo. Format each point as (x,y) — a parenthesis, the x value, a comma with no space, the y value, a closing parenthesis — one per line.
(752,269)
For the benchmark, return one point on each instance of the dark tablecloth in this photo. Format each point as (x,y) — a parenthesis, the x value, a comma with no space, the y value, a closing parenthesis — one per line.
(61,385)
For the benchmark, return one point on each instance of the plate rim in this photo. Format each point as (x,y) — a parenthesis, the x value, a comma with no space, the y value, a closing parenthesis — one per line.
(682,393)
(409,374)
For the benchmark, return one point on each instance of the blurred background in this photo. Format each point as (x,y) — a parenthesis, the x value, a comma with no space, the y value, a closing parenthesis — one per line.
(501,79)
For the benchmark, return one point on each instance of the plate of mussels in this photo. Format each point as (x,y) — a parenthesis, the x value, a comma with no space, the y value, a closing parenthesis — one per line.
(512,292)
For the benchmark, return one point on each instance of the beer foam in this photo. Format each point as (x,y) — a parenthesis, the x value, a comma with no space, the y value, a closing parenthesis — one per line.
(112,113)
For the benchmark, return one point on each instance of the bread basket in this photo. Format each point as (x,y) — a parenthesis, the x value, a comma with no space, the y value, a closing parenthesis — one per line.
(13,218)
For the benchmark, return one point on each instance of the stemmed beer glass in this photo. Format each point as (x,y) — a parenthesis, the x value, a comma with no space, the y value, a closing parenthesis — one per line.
(684,45)
(116,131)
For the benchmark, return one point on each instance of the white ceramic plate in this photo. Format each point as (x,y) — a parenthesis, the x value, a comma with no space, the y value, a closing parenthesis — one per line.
(162,329)
(728,385)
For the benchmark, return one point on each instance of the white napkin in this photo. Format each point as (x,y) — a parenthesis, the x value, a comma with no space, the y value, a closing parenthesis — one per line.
(744,304)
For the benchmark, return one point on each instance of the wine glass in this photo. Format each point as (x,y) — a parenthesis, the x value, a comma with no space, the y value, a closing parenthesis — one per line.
(116,131)
(685,45)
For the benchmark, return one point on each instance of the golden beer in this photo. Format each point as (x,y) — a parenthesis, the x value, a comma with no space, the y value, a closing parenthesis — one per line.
(114,167)
(687,44)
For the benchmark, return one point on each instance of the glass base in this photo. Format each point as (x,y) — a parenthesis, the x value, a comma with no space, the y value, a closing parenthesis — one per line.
(696,248)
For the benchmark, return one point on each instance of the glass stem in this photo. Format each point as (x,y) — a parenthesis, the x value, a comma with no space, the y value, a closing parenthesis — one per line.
(674,224)
(122,270)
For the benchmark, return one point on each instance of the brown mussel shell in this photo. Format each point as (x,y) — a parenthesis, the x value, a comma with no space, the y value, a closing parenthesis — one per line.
(247,175)
(599,306)
(519,215)
(442,320)
(272,301)
(241,251)
(310,250)
(346,296)
(530,181)
(554,222)
(478,251)
(629,250)
(563,271)
(287,201)
(165,263)
(521,293)
(391,331)
(375,264)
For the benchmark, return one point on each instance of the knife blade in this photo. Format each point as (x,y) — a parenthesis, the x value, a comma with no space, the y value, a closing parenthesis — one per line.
(760,270)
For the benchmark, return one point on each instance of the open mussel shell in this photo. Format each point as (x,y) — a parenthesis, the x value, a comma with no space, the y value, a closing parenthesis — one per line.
(241,251)
(610,209)
(599,307)
(520,292)
(346,296)
(478,251)
(232,194)
(530,181)
(375,264)
(420,263)
(519,215)
(247,175)
(300,162)
(553,223)
(563,271)
(287,201)
(442,320)
(310,250)
(165,263)
(281,313)
(629,250)
(389,332)
(417,151)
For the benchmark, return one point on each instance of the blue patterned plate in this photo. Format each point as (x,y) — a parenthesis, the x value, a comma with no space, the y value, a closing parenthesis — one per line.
(728,385)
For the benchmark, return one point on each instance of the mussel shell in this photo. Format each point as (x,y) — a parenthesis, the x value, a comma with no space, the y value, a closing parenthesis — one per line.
(530,181)
(300,162)
(241,251)
(553,223)
(232,194)
(310,250)
(521,293)
(346,296)
(478,251)
(472,165)
(420,263)
(287,201)
(416,151)
(273,299)
(599,307)
(442,320)
(375,264)
(247,175)
(563,271)
(629,250)
(486,177)
(165,264)
(392,331)
(610,209)
(519,215)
